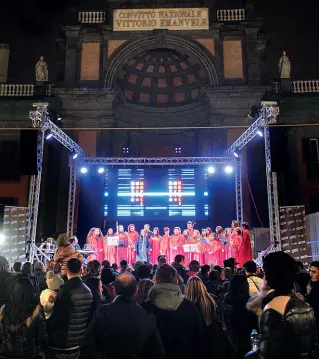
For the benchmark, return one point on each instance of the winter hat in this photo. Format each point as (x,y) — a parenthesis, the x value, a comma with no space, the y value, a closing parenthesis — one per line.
(54,281)
(63,240)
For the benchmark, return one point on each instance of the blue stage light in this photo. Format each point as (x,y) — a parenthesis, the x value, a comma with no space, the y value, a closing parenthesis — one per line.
(228,169)
(236,154)
(211,169)
(84,170)
(75,156)
(259,133)
(100,170)
(49,136)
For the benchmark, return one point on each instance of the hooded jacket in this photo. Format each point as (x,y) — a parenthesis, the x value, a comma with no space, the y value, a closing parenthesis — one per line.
(179,321)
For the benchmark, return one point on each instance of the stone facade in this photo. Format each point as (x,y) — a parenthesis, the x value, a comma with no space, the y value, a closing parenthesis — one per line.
(114,81)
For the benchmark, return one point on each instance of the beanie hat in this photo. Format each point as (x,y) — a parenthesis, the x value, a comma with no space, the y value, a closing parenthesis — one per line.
(54,281)
(63,240)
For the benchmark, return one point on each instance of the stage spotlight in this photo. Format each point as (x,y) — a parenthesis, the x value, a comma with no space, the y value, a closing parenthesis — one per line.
(75,156)
(236,154)
(59,118)
(228,169)
(178,150)
(84,170)
(49,136)
(259,133)
(100,170)
(211,169)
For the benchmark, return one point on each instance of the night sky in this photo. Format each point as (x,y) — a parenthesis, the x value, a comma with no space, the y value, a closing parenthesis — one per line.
(30,25)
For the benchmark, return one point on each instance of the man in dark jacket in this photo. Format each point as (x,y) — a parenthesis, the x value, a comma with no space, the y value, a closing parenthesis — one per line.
(179,321)
(7,282)
(313,297)
(122,329)
(179,265)
(69,319)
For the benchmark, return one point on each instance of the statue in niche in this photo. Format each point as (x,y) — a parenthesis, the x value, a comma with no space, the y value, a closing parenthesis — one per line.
(284,66)
(41,71)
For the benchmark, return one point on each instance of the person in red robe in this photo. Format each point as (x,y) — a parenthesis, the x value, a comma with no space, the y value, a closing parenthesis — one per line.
(122,252)
(222,238)
(175,244)
(96,239)
(215,248)
(132,236)
(110,249)
(189,232)
(245,252)
(155,245)
(235,242)
(164,243)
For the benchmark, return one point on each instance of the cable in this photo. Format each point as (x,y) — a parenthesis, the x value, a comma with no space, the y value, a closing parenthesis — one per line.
(254,203)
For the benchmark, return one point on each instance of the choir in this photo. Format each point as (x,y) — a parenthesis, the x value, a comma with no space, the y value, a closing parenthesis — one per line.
(205,247)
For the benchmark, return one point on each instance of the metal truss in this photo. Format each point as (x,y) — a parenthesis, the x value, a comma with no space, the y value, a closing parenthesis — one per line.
(153,161)
(239,191)
(35,185)
(41,120)
(72,198)
(266,117)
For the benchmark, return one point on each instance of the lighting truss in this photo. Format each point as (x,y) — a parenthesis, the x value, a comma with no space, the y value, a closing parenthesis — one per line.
(41,120)
(153,161)
(265,117)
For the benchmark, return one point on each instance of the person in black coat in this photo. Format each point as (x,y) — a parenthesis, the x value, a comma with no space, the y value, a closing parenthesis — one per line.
(287,323)
(22,324)
(313,297)
(179,320)
(40,276)
(179,265)
(122,329)
(7,282)
(239,322)
(70,315)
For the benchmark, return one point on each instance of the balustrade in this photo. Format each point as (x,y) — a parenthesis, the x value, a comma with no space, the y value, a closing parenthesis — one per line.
(92,17)
(24,90)
(231,15)
(305,86)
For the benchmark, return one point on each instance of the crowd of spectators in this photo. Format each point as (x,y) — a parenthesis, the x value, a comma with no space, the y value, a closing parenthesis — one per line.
(155,311)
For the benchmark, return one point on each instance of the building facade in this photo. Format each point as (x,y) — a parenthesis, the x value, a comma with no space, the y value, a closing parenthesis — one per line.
(153,75)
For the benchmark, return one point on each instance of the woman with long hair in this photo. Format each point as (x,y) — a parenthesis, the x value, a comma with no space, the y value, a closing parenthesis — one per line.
(22,324)
(196,292)
(95,285)
(155,245)
(122,250)
(143,287)
(93,269)
(96,239)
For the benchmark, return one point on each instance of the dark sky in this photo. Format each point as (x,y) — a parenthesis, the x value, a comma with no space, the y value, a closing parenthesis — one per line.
(28,26)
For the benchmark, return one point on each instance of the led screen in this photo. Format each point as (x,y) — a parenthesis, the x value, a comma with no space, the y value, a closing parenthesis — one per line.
(156,193)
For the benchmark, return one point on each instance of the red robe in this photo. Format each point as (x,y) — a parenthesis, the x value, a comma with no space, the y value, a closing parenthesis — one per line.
(132,237)
(122,252)
(155,242)
(245,253)
(235,241)
(164,246)
(175,246)
(98,247)
(110,251)
(215,252)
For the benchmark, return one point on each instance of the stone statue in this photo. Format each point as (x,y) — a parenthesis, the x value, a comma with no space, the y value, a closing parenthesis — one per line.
(41,70)
(284,66)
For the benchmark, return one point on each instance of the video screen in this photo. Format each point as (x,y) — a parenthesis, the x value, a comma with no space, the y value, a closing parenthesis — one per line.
(156,193)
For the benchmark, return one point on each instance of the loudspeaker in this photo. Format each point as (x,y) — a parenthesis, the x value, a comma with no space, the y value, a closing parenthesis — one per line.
(278,148)
(28,152)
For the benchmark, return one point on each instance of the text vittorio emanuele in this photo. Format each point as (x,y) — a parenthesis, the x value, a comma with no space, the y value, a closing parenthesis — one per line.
(160,19)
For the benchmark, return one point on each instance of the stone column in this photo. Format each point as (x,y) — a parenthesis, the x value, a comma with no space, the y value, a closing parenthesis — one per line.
(134,138)
(71,55)
(4,62)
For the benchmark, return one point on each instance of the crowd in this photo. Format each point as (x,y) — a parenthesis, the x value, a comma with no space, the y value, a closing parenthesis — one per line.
(159,310)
